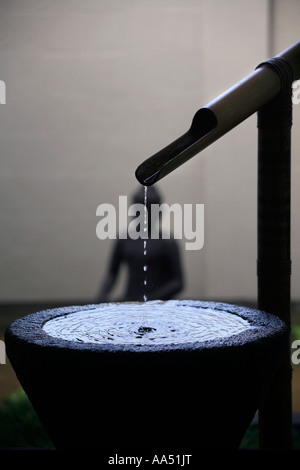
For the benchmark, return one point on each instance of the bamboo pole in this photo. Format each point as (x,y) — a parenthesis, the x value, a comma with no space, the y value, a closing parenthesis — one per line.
(273,249)
(218,117)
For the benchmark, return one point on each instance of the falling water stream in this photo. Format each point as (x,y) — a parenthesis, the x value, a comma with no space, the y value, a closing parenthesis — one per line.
(145,267)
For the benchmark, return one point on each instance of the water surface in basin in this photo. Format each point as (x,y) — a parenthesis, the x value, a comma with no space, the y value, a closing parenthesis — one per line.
(152,322)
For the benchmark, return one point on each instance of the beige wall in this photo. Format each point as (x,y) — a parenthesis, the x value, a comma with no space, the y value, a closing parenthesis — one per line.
(286,31)
(94,88)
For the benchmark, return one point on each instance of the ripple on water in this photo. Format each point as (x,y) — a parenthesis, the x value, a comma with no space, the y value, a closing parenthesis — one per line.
(170,322)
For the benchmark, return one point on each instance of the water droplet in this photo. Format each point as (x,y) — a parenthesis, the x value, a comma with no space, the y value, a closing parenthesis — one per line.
(145,267)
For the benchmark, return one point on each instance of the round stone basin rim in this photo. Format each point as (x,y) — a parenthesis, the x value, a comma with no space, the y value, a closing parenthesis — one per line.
(260,326)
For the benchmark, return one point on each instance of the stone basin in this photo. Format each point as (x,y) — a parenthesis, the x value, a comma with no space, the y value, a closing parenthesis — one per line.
(174,376)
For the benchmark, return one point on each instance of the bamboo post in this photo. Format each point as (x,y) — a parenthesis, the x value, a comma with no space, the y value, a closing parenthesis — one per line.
(273,255)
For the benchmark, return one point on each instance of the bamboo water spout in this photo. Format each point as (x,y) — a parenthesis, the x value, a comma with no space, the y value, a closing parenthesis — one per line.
(218,117)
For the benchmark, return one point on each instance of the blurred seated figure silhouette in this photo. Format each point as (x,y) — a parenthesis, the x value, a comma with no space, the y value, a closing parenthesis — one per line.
(163,277)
